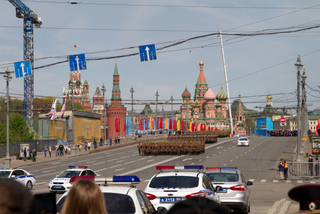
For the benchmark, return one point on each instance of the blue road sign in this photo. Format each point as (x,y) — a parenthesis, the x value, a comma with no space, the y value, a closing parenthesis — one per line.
(147,52)
(77,62)
(22,69)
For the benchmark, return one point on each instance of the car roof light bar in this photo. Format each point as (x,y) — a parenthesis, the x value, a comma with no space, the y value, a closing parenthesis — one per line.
(180,167)
(71,167)
(122,180)
(220,168)
(83,167)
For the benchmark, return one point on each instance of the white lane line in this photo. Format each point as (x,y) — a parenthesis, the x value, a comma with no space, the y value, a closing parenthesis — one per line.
(115,166)
(207,157)
(263,180)
(130,162)
(133,155)
(97,158)
(288,181)
(90,161)
(312,182)
(119,161)
(187,159)
(231,160)
(96,163)
(200,160)
(300,182)
(120,169)
(48,171)
(275,181)
(225,164)
(150,160)
(124,157)
(145,181)
(113,159)
(252,180)
(35,170)
(236,156)
(51,167)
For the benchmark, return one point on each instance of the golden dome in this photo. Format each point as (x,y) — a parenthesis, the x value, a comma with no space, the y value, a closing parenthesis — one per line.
(269,97)
(201,63)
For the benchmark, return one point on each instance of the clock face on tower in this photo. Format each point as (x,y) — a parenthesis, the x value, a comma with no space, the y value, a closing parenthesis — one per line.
(78,83)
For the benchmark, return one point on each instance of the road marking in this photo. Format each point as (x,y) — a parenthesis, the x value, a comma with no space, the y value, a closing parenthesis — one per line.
(119,161)
(124,157)
(200,160)
(300,182)
(150,160)
(141,159)
(252,180)
(240,154)
(192,164)
(275,181)
(120,169)
(90,161)
(133,155)
(96,163)
(47,171)
(225,164)
(231,160)
(145,181)
(207,157)
(115,166)
(129,162)
(219,152)
(40,183)
(97,157)
(50,167)
(312,182)
(237,157)
(213,154)
(263,180)
(229,147)
(187,159)
(288,181)
(224,150)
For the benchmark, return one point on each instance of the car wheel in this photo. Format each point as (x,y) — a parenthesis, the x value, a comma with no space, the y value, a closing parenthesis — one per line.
(29,185)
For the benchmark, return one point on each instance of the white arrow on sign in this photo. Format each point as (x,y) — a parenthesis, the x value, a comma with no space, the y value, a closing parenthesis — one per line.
(22,67)
(147,49)
(77,59)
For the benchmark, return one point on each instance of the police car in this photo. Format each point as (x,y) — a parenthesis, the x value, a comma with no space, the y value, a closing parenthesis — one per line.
(20,175)
(235,193)
(179,182)
(121,196)
(61,183)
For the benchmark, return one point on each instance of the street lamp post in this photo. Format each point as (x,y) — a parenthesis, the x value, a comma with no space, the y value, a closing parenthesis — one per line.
(73,151)
(157,95)
(103,89)
(132,91)
(7,163)
(299,67)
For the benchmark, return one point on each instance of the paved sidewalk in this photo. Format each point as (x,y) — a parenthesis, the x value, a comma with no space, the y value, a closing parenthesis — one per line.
(40,158)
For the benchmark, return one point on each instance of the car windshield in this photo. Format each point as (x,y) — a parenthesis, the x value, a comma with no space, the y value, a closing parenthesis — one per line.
(115,203)
(4,174)
(174,181)
(223,177)
(69,174)
(243,139)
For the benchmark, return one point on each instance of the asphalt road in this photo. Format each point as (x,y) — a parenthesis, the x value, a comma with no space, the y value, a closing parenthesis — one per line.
(257,163)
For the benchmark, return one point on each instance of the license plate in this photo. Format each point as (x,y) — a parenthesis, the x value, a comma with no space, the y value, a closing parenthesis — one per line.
(223,191)
(169,200)
(57,187)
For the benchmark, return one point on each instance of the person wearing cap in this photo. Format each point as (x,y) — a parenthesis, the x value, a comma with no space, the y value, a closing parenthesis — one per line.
(308,197)
(281,169)
(310,160)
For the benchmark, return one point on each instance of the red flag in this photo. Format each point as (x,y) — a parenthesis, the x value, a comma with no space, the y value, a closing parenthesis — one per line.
(174,124)
(140,124)
(170,124)
(161,123)
(182,125)
(125,125)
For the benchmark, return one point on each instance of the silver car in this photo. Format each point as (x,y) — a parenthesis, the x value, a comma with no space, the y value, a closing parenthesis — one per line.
(235,193)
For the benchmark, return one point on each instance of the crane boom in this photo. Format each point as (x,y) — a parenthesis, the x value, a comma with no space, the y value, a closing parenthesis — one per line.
(29,18)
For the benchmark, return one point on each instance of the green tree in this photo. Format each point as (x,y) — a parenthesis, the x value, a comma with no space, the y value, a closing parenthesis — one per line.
(250,124)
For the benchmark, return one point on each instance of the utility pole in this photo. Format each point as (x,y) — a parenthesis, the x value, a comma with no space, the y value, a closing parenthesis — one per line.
(73,151)
(304,110)
(171,99)
(103,89)
(157,95)
(227,85)
(299,67)
(132,91)
(7,161)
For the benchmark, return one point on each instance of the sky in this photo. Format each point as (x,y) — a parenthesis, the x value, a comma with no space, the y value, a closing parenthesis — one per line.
(256,64)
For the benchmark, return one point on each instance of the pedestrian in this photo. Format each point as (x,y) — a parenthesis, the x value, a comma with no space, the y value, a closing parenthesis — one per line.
(310,160)
(57,149)
(86,146)
(45,149)
(94,143)
(25,153)
(79,146)
(66,149)
(281,169)
(101,142)
(84,197)
(61,149)
(115,140)
(286,167)
(50,151)
(89,145)
(118,139)
(34,154)
(139,135)
(316,167)
(110,141)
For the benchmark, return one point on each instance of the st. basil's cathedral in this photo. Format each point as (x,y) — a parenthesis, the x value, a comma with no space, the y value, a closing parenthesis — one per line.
(203,108)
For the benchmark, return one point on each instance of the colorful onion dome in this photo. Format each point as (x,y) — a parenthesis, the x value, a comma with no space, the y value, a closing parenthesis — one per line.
(209,95)
(186,93)
(218,105)
(222,95)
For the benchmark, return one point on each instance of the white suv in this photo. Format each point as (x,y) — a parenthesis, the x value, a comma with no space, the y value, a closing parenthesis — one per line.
(181,182)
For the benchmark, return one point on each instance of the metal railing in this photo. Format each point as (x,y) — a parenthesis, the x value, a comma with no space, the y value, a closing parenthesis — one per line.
(297,170)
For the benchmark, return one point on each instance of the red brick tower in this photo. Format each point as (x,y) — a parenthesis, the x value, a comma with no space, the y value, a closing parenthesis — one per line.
(85,99)
(116,112)
(201,88)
